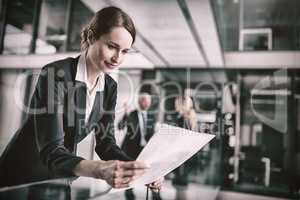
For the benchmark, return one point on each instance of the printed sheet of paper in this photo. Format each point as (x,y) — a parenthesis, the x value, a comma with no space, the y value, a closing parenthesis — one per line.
(169,147)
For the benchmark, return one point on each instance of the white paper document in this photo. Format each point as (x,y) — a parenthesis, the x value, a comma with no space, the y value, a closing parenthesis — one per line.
(168,148)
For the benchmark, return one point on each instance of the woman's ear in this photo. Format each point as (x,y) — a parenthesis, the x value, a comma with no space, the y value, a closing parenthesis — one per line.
(90,39)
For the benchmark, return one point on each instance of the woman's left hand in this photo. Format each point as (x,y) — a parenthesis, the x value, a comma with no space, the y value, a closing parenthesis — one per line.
(156,185)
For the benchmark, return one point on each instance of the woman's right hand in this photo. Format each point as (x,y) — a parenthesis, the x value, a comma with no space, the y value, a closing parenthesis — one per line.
(117,174)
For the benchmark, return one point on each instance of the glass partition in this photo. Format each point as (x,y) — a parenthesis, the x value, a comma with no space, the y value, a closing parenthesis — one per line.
(279,17)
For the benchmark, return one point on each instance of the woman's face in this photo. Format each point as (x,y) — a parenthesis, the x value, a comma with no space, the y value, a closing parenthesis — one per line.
(108,52)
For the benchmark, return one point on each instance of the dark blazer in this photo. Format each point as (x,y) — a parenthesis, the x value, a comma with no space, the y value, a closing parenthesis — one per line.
(45,145)
(131,143)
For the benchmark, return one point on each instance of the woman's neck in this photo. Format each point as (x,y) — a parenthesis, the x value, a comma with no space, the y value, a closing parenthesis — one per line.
(92,70)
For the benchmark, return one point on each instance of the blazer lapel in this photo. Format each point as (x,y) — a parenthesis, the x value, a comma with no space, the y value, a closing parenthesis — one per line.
(100,104)
(75,100)
(80,102)
(137,127)
(97,110)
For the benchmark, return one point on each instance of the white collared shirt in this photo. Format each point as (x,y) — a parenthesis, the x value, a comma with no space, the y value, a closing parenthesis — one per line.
(143,127)
(81,75)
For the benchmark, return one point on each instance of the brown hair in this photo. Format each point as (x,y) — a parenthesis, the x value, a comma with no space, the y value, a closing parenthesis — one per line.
(188,113)
(103,22)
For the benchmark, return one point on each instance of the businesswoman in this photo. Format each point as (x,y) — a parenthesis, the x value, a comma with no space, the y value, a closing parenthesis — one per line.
(186,118)
(73,98)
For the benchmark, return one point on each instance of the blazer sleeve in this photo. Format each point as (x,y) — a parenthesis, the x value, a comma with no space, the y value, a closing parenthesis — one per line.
(106,146)
(47,103)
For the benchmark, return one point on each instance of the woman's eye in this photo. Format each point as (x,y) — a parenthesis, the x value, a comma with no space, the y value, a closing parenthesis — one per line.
(110,46)
(125,51)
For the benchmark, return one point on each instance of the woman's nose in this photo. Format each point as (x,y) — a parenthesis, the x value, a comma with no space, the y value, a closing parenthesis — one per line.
(116,58)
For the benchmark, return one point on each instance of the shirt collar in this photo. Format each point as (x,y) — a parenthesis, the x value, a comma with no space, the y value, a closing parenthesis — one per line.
(81,74)
(142,111)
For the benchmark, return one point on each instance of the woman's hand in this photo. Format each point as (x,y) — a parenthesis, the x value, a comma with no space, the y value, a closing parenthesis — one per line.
(156,185)
(117,174)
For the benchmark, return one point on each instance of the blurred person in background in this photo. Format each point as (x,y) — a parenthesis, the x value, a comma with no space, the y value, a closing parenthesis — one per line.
(185,118)
(139,124)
